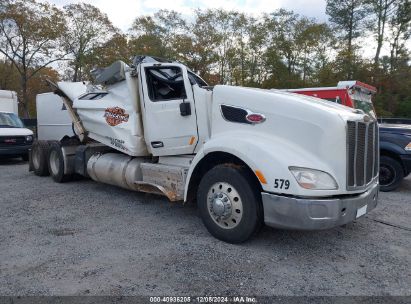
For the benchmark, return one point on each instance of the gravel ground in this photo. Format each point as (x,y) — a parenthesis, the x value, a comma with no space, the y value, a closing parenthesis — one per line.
(86,238)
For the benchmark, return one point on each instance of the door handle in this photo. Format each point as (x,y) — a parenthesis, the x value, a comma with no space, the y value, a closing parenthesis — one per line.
(157,144)
(185,108)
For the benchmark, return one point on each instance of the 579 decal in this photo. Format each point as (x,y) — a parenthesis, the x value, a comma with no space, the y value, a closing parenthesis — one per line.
(280,183)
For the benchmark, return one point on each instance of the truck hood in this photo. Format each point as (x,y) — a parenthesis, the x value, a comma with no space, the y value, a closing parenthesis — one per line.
(318,103)
(285,103)
(300,131)
(15,132)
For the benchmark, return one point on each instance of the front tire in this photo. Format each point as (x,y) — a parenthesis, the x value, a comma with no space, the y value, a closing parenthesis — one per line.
(56,163)
(230,203)
(391,173)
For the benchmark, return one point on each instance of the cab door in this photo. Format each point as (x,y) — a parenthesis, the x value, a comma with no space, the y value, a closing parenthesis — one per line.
(170,123)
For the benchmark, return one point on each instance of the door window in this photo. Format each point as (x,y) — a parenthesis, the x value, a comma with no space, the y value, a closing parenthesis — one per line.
(165,83)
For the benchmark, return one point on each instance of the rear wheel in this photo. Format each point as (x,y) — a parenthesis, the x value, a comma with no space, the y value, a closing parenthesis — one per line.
(39,154)
(230,204)
(391,173)
(56,163)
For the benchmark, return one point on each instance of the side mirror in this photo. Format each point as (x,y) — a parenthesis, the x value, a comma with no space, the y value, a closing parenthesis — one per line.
(185,108)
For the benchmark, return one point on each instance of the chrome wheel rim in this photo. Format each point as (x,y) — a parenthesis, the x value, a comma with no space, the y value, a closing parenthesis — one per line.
(36,158)
(54,162)
(224,205)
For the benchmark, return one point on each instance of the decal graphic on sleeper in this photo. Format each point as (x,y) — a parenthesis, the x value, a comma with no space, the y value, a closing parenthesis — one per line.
(115,116)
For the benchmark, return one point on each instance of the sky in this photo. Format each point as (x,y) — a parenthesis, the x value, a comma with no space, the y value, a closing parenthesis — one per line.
(123,12)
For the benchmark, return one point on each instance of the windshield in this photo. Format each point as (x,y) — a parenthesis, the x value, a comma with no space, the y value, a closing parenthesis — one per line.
(195,79)
(363,101)
(366,106)
(10,120)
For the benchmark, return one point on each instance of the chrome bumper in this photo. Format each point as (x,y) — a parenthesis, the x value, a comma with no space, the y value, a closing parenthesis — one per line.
(316,214)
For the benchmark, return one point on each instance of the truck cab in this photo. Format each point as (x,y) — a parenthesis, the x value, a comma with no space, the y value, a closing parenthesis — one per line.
(15,139)
(246,156)
(395,150)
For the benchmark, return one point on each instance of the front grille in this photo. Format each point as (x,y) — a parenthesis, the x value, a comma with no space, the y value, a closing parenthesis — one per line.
(7,141)
(362,153)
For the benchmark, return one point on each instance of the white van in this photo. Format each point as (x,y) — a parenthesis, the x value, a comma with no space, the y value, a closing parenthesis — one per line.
(15,139)
(8,102)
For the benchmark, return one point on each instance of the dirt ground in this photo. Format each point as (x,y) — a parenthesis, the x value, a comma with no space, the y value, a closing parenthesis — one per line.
(86,238)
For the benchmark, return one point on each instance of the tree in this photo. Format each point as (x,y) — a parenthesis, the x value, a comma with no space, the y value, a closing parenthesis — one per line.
(9,76)
(156,35)
(400,24)
(30,39)
(110,51)
(382,10)
(348,17)
(205,44)
(88,29)
(300,43)
(37,85)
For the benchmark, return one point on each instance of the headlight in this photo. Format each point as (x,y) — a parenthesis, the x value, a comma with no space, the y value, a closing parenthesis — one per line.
(29,138)
(408,147)
(313,179)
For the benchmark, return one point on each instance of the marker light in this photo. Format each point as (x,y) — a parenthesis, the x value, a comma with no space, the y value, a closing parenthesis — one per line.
(255,118)
(408,147)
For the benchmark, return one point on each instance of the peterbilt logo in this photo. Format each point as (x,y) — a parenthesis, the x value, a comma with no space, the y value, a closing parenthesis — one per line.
(115,116)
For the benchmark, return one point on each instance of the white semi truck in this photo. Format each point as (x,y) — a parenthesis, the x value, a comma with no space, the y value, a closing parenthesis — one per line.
(247,156)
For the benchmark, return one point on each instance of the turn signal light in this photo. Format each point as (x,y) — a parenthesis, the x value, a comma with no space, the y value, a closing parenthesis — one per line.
(255,118)
(260,176)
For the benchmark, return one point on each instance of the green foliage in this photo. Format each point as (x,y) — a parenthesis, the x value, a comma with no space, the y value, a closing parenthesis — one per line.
(277,49)
(10,80)
(88,29)
(30,39)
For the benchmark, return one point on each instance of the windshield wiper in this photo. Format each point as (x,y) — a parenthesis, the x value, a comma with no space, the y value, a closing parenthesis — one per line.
(7,126)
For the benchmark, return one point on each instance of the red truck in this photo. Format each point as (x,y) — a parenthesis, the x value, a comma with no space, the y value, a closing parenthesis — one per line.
(353,94)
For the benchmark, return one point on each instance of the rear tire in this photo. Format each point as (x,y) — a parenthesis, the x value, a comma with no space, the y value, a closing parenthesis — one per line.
(39,156)
(56,163)
(391,174)
(230,203)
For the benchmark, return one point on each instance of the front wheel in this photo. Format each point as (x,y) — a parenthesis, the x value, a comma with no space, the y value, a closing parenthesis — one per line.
(230,203)
(391,173)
